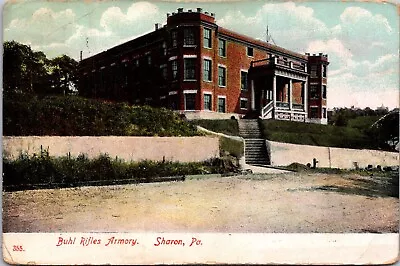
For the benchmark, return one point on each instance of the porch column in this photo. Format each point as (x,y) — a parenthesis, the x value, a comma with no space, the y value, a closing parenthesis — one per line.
(253,100)
(274,90)
(290,94)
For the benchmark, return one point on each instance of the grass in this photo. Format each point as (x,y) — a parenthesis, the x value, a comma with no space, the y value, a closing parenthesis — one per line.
(29,115)
(362,122)
(44,171)
(225,126)
(233,147)
(316,135)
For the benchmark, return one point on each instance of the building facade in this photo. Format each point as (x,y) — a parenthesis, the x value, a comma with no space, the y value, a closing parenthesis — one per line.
(194,66)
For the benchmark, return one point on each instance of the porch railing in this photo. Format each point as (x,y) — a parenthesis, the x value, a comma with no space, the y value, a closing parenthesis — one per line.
(280,62)
(267,109)
(282,105)
(298,106)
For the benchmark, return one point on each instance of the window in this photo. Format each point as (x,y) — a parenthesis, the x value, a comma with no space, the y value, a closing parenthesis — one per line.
(188,37)
(164,72)
(314,112)
(190,68)
(250,51)
(164,48)
(324,112)
(221,104)
(190,101)
(243,78)
(221,76)
(207,38)
(243,103)
(314,92)
(313,73)
(149,59)
(207,70)
(207,102)
(174,38)
(137,63)
(174,69)
(222,48)
(324,71)
(324,91)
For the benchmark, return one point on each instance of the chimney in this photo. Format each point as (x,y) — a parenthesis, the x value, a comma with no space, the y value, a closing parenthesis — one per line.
(81,56)
(157,26)
(180,10)
(199,10)
(320,54)
(213,14)
(168,14)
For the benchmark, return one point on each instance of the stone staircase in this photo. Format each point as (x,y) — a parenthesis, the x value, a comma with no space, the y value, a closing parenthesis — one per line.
(254,145)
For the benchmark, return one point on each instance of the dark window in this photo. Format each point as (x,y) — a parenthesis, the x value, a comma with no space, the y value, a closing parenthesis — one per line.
(243,78)
(188,37)
(250,51)
(324,112)
(222,48)
(174,69)
(207,102)
(243,103)
(221,76)
(190,101)
(164,48)
(314,112)
(207,38)
(207,70)
(314,93)
(324,71)
(190,68)
(313,72)
(221,105)
(164,71)
(324,91)
(174,38)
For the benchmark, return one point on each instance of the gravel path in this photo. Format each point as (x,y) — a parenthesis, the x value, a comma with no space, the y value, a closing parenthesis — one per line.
(275,203)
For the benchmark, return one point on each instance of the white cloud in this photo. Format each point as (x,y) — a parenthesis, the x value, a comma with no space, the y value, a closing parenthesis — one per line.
(43,27)
(290,25)
(140,17)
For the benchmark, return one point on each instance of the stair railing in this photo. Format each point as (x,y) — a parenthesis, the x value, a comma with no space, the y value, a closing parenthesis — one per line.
(267,109)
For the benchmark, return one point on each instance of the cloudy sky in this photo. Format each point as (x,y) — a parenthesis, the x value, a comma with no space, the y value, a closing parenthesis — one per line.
(360,38)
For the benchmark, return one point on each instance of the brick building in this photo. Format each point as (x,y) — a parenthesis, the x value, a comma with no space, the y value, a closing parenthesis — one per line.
(197,67)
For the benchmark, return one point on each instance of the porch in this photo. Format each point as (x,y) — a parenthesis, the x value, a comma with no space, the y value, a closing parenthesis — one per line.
(279,89)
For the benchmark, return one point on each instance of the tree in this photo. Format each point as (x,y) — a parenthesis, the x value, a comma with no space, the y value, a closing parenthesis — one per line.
(63,74)
(30,71)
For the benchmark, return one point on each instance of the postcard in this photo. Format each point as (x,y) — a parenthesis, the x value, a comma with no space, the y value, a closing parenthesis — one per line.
(169,132)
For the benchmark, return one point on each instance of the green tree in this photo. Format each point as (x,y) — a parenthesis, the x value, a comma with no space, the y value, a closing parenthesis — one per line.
(24,69)
(63,74)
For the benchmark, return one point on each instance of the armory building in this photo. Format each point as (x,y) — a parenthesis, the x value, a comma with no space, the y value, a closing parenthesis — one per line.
(206,71)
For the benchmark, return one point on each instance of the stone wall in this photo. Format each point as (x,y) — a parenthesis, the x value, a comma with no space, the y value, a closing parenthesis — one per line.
(285,154)
(182,149)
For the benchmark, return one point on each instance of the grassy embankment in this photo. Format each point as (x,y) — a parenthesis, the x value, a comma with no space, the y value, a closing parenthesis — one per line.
(352,136)
(30,115)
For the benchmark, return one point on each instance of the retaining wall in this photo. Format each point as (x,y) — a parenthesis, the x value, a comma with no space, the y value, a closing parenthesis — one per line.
(285,154)
(182,149)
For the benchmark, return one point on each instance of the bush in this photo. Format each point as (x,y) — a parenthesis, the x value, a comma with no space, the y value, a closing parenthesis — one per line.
(77,116)
(233,147)
(44,171)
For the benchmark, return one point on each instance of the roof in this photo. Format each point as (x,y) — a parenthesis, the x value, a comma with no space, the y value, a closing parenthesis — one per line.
(266,45)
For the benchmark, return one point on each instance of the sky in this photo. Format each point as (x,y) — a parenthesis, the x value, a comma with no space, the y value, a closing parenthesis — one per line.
(360,38)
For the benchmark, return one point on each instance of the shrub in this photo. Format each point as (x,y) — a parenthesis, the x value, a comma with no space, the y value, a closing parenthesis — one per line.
(27,172)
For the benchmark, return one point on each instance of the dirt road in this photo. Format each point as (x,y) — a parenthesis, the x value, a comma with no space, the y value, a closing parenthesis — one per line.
(278,203)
